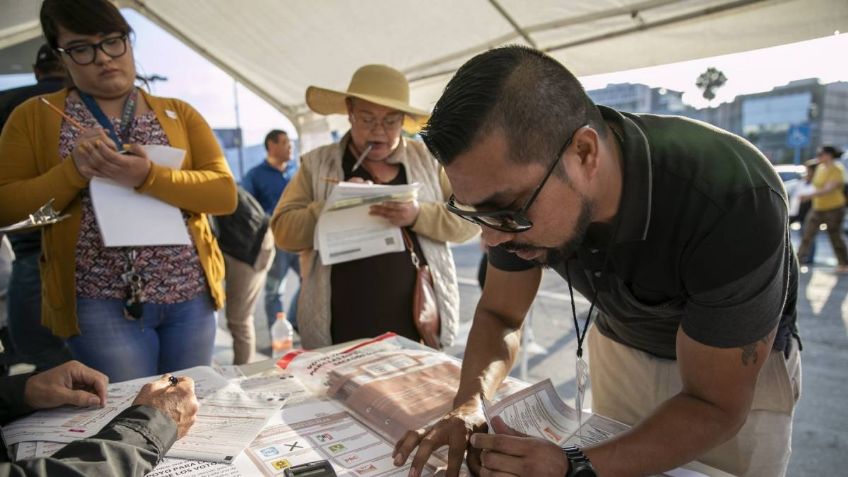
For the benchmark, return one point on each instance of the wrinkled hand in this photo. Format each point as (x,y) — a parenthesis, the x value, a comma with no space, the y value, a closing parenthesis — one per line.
(511,453)
(95,155)
(400,214)
(178,402)
(454,430)
(69,383)
(359,180)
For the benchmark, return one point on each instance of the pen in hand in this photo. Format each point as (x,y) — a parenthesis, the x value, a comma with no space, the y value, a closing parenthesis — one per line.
(69,119)
(74,122)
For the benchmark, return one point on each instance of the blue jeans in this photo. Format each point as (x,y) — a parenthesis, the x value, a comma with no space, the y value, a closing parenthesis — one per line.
(166,338)
(32,342)
(275,284)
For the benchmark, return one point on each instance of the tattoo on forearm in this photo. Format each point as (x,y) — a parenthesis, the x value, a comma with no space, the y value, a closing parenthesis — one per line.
(749,353)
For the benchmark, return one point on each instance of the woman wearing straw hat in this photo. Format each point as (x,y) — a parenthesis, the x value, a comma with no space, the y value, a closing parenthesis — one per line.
(372,295)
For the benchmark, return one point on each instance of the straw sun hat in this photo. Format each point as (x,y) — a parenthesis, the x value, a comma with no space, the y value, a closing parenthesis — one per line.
(378,84)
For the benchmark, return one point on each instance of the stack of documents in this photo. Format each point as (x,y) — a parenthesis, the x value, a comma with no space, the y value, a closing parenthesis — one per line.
(347,232)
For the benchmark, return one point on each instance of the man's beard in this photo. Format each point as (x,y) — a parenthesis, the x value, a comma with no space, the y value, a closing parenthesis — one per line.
(559,254)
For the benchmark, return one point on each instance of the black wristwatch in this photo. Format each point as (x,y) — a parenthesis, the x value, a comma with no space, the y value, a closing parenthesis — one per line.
(578,463)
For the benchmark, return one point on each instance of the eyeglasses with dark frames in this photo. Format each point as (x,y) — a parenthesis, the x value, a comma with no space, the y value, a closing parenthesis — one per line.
(114,47)
(509,221)
(390,122)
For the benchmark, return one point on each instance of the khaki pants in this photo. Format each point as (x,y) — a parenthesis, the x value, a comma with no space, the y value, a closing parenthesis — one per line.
(627,385)
(833,219)
(242,285)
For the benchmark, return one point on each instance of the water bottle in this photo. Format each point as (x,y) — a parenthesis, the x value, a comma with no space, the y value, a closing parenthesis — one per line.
(282,335)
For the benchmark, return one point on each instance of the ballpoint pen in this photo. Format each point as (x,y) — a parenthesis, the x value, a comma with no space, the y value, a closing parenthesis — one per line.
(362,156)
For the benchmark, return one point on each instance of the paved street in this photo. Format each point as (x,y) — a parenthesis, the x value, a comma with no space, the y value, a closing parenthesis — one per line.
(820,439)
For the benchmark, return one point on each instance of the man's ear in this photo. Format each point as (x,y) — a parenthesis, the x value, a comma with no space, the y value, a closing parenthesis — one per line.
(587,145)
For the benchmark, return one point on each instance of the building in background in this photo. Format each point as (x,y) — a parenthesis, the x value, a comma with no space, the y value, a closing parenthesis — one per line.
(640,98)
(802,115)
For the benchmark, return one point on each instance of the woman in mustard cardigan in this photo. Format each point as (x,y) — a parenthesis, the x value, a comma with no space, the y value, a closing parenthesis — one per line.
(126,311)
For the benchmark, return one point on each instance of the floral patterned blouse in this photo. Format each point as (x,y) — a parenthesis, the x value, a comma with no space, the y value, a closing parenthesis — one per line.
(169,273)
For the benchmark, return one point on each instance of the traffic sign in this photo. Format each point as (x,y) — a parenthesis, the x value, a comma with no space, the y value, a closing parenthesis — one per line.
(798,135)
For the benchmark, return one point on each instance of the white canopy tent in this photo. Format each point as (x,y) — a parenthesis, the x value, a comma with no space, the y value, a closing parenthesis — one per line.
(277,48)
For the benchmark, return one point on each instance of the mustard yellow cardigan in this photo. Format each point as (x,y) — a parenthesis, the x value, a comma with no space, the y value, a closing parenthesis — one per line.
(31,173)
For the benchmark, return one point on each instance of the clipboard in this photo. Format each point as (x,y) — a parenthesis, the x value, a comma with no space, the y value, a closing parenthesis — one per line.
(44,216)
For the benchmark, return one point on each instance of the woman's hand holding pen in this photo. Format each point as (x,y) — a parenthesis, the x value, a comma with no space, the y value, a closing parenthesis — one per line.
(85,154)
(95,155)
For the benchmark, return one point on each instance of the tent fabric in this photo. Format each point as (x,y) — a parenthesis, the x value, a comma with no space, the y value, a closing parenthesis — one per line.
(278,48)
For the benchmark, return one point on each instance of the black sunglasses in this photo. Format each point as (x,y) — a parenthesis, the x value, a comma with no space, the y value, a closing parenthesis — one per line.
(510,221)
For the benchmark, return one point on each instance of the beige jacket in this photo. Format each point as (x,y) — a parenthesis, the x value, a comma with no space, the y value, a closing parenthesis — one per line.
(294,219)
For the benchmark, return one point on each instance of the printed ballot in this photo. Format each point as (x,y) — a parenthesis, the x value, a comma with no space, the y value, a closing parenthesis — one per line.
(345,230)
(227,422)
(538,411)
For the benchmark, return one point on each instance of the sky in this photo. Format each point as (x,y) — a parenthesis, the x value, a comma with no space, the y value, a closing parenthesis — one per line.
(212,91)
(748,72)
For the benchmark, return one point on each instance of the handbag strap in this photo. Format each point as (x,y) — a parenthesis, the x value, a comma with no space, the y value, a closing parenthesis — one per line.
(407,240)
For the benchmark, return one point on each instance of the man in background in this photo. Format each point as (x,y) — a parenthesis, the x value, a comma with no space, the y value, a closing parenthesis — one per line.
(30,341)
(266,182)
(248,248)
(50,77)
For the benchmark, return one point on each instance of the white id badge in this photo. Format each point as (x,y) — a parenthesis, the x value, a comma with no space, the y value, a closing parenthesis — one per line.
(582,378)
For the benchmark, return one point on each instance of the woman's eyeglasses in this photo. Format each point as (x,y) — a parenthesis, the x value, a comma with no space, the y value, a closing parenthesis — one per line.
(391,122)
(509,221)
(83,55)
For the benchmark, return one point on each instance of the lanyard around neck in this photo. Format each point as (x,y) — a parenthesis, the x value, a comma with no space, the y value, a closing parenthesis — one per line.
(127,113)
(580,336)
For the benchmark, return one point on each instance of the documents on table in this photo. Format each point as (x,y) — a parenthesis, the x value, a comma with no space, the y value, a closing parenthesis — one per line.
(324,430)
(127,218)
(346,232)
(32,450)
(538,411)
(351,406)
(195,468)
(228,419)
(227,422)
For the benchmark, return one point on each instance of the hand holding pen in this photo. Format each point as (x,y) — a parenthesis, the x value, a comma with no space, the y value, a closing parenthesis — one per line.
(96,155)
(175,397)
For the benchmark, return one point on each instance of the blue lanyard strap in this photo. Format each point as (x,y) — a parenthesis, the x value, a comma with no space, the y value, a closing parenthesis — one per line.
(126,117)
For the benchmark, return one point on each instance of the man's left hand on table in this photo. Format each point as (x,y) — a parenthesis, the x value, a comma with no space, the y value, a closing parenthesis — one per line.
(69,383)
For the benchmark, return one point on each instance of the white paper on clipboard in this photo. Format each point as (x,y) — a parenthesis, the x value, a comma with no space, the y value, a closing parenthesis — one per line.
(129,219)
